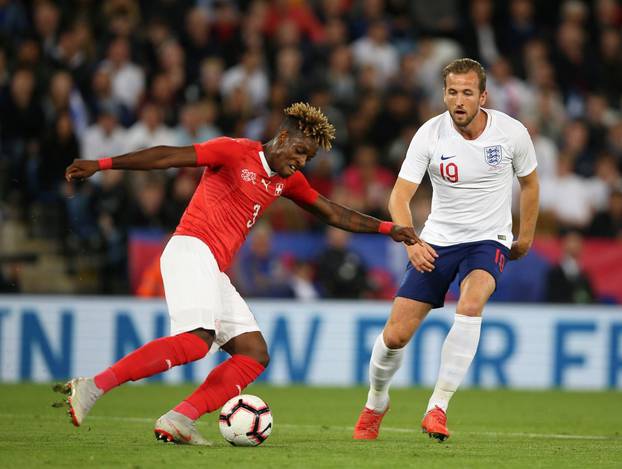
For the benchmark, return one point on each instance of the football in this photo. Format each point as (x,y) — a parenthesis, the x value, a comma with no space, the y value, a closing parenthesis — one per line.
(245,420)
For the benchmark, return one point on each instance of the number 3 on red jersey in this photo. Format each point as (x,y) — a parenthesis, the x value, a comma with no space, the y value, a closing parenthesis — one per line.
(251,222)
(450,172)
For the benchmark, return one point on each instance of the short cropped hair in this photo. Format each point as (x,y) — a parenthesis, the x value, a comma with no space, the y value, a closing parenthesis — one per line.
(465,65)
(311,122)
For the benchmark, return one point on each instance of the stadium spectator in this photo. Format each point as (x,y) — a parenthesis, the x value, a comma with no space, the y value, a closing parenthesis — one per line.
(248,76)
(480,37)
(101,97)
(610,65)
(197,41)
(375,50)
(567,197)
(64,96)
(301,282)
(147,209)
(46,21)
(259,272)
(341,273)
(105,137)
(508,93)
(567,282)
(196,124)
(366,179)
(58,149)
(149,130)
(21,124)
(608,223)
(128,79)
(521,27)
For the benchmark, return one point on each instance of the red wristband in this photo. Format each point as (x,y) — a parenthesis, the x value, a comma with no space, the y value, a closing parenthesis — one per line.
(104,163)
(385,227)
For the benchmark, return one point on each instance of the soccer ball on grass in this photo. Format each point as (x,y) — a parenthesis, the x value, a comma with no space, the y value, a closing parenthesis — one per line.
(245,420)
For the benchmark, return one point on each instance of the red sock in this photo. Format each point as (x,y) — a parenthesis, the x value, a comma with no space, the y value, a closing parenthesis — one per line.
(224,382)
(154,357)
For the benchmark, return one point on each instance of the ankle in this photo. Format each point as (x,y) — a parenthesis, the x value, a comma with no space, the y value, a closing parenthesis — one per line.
(188,410)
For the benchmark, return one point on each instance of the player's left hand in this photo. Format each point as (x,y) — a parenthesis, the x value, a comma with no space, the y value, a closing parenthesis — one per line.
(519,249)
(404,234)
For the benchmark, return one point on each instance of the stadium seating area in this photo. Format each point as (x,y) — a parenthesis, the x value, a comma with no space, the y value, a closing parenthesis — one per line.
(85,79)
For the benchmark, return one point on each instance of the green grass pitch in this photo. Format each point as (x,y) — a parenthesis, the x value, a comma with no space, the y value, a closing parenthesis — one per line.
(313,426)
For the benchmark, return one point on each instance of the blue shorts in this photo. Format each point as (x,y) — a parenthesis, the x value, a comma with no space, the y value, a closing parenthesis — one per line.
(459,259)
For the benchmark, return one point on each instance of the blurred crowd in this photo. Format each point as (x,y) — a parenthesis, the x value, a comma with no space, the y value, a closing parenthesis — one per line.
(89,79)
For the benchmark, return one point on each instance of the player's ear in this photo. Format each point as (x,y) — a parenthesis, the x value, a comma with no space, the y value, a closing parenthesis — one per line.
(483,97)
(283,134)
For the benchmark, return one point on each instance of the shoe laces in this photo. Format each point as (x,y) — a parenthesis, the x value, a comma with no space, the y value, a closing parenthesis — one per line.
(369,421)
(438,415)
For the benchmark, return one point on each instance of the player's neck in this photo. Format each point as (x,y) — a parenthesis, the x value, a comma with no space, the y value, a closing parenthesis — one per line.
(268,154)
(476,127)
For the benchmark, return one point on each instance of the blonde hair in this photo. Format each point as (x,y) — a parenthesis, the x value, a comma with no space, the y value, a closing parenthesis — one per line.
(312,123)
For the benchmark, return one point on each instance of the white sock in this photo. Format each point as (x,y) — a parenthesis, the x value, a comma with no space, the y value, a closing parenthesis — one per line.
(456,357)
(382,366)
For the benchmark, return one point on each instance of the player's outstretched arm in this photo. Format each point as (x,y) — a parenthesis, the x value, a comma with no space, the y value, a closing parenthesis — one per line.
(350,220)
(529,207)
(160,157)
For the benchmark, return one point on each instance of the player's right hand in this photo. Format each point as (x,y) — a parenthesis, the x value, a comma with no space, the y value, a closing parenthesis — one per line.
(422,256)
(81,169)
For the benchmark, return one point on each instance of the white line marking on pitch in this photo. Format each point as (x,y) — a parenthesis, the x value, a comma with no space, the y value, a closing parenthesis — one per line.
(558,436)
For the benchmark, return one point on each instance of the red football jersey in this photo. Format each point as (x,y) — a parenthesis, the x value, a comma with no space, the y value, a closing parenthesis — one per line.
(235,189)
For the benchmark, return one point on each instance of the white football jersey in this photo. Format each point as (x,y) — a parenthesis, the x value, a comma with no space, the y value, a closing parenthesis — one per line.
(471,179)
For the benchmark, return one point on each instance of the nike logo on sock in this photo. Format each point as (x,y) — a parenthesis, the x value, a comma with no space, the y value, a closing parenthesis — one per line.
(239,388)
(168,363)
(443,157)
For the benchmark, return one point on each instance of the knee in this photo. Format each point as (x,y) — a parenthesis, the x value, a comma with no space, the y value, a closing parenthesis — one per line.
(264,359)
(469,308)
(260,355)
(395,338)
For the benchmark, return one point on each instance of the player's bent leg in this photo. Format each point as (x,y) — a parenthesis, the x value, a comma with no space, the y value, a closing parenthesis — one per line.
(154,357)
(249,354)
(458,350)
(386,359)
(250,344)
(406,316)
(475,290)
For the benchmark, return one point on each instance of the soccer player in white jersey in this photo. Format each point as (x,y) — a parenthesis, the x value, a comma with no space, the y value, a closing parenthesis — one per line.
(471,154)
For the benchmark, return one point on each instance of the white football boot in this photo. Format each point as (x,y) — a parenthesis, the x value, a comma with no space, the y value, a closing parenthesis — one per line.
(174,427)
(82,393)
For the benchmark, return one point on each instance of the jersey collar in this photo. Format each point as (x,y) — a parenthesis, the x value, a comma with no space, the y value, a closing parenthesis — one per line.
(265,164)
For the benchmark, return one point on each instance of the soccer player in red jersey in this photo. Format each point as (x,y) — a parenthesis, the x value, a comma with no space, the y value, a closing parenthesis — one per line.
(241,179)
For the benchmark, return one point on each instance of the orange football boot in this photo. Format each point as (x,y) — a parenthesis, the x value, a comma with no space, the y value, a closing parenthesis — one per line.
(368,425)
(434,423)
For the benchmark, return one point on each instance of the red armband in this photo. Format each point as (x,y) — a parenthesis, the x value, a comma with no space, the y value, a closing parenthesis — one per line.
(104,163)
(385,227)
